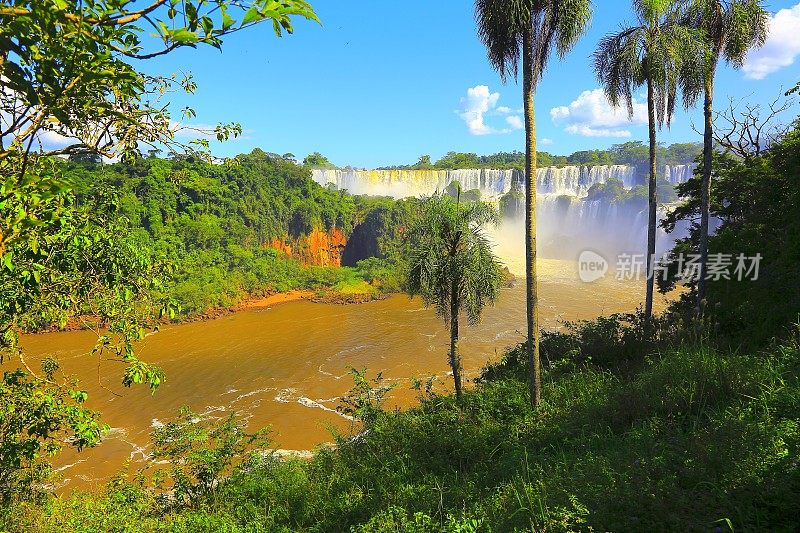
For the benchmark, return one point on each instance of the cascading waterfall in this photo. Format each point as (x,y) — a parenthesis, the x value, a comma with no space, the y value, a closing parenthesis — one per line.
(576,181)
(676,174)
(568,222)
(410,183)
(572,180)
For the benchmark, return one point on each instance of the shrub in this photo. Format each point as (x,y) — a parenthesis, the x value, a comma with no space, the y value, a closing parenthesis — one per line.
(200,453)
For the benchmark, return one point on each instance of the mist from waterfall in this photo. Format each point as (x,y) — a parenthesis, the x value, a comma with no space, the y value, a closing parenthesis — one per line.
(566,226)
(568,222)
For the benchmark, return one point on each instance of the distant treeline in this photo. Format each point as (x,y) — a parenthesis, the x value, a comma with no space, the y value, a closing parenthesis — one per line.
(634,153)
(629,153)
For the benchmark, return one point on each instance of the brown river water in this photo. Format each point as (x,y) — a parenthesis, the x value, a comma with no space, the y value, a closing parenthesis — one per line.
(286,366)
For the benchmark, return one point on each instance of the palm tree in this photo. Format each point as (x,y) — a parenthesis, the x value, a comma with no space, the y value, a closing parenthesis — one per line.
(529,29)
(662,54)
(451,264)
(730,29)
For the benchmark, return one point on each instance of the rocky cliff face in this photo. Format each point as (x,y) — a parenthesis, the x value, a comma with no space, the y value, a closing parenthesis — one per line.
(364,241)
(318,248)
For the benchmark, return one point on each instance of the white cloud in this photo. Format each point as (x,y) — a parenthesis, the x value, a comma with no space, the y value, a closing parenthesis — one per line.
(781,48)
(51,140)
(515,122)
(479,102)
(545,140)
(591,115)
(587,131)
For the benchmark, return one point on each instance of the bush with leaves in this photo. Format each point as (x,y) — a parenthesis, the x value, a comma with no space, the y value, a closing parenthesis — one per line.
(364,402)
(82,266)
(201,452)
(755,201)
(36,418)
(620,342)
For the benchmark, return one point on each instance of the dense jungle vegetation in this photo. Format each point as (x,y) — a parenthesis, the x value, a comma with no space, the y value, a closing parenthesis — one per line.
(634,153)
(255,225)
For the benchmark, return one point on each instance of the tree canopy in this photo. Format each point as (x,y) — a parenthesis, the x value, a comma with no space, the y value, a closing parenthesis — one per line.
(629,153)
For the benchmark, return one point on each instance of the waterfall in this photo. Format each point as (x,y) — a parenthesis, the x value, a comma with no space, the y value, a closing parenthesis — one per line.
(410,183)
(676,174)
(567,221)
(571,180)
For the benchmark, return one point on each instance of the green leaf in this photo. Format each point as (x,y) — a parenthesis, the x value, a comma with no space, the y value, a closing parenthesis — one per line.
(251,15)
(183,36)
(228,21)
(208,24)
(7,261)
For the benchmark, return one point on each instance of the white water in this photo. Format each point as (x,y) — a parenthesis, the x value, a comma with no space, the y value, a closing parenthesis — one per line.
(571,180)
(568,222)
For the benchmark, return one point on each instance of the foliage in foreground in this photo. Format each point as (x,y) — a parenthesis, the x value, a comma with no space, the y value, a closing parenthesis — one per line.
(83,268)
(694,440)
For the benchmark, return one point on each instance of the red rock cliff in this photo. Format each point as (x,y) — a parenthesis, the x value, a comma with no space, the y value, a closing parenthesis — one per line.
(318,248)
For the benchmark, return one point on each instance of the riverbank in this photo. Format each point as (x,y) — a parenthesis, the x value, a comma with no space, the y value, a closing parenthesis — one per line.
(607,451)
(265,301)
(325,296)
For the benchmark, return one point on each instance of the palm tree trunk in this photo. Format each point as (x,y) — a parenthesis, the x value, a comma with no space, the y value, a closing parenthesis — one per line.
(532,299)
(651,222)
(705,193)
(455,360)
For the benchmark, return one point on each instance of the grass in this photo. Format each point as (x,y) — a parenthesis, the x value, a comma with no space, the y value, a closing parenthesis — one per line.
(693,440)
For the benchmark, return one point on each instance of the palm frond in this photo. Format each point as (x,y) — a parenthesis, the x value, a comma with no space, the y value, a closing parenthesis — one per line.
(502,23)
(662,50)
(571,21)
(556,23)
(499,25)
(746,27)
(618,63)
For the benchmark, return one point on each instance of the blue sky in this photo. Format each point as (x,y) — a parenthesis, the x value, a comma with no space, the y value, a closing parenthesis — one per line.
(382,82)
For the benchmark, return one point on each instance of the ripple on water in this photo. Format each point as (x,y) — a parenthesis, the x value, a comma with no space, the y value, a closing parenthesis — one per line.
(252,393)
(313,404)
(354,349)
(284,394)
(326,373)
